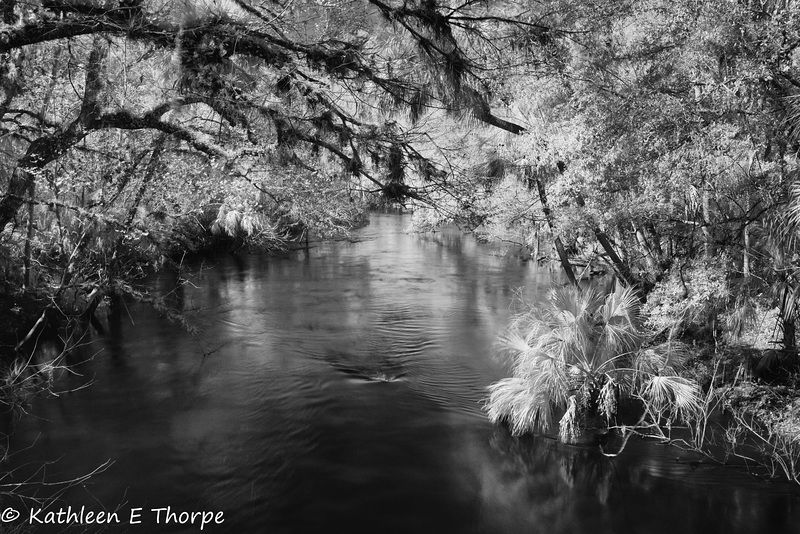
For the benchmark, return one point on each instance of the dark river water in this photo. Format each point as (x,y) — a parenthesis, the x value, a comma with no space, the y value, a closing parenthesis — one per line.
(341,390)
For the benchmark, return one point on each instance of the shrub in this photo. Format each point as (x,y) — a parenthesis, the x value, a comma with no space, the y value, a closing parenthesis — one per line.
(691,294)
(576,354)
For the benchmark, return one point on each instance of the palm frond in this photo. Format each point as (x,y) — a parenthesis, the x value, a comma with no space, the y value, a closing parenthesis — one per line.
(793,208)
(743,316)
(675,354)
(514,400)
(621,316)
(615,339)
(646,364)
(622,304)
(677,395)
(551,378)
(666,358)
(511,346)
(570,305)
(531,362)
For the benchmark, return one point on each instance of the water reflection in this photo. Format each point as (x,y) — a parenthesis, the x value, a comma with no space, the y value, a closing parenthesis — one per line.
(344,393)
(651,489)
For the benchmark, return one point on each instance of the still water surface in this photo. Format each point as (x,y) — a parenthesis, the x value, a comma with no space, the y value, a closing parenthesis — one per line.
(342,392)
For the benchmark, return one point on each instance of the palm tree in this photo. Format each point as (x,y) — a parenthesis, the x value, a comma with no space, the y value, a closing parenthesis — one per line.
(576,353)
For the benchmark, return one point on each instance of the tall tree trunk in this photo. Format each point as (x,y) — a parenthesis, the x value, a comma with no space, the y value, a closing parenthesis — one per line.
(647,251)
(746,237)
(706,225)
(655,241)
(788,321)
(623,271)
(620,266)
(149,174)
(28,238)
(746,253)
(548,215)
(789,335)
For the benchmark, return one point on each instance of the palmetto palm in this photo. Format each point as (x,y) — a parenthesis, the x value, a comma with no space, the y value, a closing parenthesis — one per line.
(574,353)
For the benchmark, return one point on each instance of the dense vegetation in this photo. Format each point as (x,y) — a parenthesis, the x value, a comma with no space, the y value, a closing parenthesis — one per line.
(135,132)
(655,139)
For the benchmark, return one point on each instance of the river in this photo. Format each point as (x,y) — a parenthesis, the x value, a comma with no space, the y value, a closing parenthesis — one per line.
(340,389)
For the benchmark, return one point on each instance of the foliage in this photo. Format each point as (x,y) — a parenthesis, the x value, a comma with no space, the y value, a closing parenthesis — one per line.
(691,294)
(577,354)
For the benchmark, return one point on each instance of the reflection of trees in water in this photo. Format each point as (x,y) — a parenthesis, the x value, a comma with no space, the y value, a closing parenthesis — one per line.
(565,468)
(538,481)
(452,240)
(536,484)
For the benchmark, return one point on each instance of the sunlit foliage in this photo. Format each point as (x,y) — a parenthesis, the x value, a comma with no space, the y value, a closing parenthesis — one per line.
(576,355)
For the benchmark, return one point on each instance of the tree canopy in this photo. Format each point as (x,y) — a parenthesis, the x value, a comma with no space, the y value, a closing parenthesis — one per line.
(253,86)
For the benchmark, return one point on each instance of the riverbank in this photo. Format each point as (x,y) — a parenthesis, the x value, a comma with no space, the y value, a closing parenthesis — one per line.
(62,284)
(758,392)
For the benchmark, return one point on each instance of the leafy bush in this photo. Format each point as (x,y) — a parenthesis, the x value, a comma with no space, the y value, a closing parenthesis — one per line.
(577,354)
(693,293)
